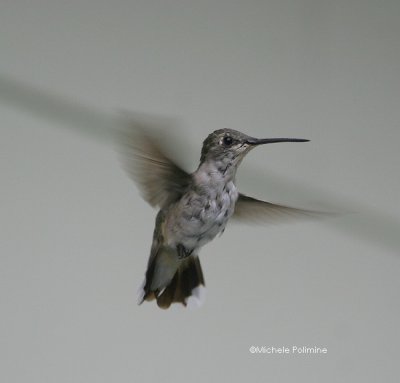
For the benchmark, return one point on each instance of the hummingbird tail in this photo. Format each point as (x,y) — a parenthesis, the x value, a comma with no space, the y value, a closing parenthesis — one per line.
(183,285)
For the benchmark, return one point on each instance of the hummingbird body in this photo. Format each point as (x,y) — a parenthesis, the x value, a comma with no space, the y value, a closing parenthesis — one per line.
(188,224)
(194,208)
(203,211)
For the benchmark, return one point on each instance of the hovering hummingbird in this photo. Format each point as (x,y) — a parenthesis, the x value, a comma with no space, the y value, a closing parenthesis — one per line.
(194,208)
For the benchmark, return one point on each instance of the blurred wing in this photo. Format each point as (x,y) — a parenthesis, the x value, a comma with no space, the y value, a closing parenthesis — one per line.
(160,180)
(248,209)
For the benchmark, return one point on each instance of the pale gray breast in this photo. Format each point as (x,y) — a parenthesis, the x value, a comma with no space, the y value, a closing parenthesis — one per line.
(204,215)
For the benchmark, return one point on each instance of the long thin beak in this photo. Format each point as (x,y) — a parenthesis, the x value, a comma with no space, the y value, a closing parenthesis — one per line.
(261,141)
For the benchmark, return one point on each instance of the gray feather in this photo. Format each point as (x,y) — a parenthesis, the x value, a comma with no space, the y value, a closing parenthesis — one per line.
(160,180)
(248,209)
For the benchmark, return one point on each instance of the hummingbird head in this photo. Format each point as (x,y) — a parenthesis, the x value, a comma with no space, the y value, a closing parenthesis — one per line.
(228,147)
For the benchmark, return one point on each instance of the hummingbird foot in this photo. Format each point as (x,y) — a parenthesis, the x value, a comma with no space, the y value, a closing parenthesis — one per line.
(183,252)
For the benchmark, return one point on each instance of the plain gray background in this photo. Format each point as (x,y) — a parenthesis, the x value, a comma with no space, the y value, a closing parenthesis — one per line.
(75,234)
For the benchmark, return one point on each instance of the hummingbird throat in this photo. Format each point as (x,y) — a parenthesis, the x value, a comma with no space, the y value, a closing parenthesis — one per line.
(213,172)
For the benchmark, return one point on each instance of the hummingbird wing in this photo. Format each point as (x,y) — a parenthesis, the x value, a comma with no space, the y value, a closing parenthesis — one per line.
(160,180)
(248,209)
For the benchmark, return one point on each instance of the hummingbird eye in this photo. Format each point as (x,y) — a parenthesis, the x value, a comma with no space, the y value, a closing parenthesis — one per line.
(227,140)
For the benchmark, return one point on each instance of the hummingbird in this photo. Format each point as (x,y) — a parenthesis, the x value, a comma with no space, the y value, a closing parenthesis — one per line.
(193,207)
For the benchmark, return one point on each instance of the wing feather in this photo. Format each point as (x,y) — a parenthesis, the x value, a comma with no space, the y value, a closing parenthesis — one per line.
(160,180)
(248,209)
